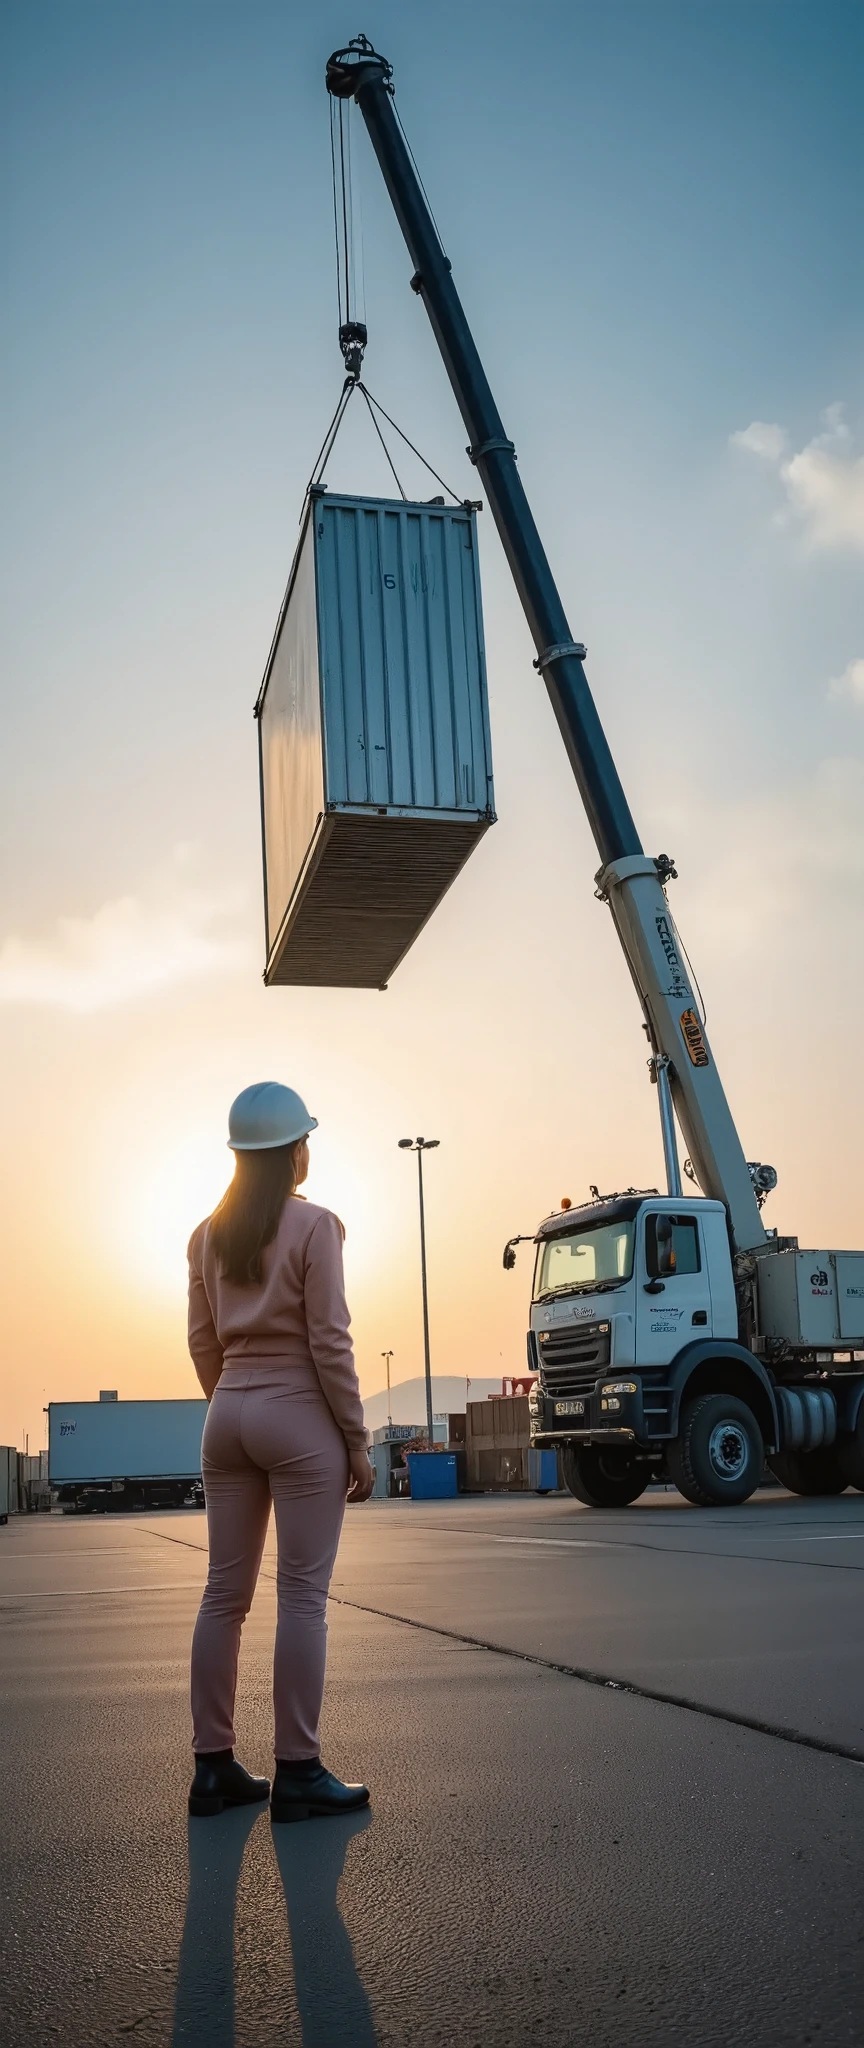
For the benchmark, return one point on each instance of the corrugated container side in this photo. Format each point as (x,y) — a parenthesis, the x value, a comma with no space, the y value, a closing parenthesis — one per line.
(291,759)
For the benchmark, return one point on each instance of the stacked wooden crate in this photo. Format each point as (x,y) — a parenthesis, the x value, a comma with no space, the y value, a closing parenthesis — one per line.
(497,1440)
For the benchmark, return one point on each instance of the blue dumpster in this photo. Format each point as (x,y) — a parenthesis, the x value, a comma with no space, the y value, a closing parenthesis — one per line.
(433,1475)
(542,1471)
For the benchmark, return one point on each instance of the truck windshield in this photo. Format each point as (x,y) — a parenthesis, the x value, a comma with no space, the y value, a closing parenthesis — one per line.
(585,1261)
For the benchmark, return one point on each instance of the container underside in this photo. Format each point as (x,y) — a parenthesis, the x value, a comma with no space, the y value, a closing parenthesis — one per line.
(369,886)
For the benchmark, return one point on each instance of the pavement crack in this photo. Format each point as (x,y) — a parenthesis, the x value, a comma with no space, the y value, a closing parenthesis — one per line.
(602,1680)
(817,1564)
(583,1675)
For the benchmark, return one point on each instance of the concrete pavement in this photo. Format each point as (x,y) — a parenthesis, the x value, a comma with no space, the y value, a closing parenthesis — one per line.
(548,1857)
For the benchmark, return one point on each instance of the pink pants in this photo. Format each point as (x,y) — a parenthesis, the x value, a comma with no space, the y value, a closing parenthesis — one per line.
(269,1435)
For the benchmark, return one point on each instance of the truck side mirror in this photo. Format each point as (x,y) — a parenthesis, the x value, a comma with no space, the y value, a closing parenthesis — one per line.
(509,1259)
(666,1260)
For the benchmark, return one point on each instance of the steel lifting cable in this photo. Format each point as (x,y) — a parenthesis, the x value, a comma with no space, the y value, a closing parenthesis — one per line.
(409,444)
(333,107)
(353,332)
(326,448)
(345,234)
(374,406)
(390,460)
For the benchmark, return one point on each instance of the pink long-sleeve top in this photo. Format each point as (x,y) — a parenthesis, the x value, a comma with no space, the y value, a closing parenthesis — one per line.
(296,1314)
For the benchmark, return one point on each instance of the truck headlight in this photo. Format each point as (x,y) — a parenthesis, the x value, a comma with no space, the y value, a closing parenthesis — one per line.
(619,1387)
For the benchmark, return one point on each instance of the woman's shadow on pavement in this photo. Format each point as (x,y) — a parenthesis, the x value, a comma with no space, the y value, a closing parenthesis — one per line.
(311,1855)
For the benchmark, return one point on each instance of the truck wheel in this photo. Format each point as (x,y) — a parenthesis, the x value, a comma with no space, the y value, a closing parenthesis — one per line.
(602,1479)
(717,1457)
(810,1471)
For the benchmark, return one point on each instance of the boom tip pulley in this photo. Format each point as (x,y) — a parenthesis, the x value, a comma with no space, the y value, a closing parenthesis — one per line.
(349,68)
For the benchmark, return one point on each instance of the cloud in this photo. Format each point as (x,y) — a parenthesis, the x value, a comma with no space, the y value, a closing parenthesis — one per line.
(850,686)
(761,438)
(127,949)
(823,482)
(780,888)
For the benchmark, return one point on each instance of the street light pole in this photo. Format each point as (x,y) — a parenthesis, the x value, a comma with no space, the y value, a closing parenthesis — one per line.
(428,1369)
(421,1145)
(387,1355)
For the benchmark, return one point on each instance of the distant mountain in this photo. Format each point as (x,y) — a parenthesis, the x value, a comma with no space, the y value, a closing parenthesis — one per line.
(408,1399)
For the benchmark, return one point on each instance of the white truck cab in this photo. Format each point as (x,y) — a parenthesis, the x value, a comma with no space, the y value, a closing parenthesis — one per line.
(607,1264)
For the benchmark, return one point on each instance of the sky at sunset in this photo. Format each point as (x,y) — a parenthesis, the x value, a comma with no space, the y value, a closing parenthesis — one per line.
(653,212)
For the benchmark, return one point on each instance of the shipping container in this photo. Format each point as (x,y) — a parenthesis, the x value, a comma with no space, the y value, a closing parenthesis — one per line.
(373,727)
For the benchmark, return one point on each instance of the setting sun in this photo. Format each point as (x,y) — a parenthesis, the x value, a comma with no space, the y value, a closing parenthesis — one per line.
(157,1212)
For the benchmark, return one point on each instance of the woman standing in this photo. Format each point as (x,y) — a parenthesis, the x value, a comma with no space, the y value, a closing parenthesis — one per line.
(268,1334)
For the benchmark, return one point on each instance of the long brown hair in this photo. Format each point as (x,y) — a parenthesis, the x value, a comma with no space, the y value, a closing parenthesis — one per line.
(247,1217)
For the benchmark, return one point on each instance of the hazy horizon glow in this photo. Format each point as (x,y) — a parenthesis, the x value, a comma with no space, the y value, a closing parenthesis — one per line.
(651,212)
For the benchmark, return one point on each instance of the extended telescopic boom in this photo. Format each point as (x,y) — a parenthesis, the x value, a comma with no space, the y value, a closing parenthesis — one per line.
(629,881)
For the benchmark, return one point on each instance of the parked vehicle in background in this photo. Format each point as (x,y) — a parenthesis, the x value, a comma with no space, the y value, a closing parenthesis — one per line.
(126,1454)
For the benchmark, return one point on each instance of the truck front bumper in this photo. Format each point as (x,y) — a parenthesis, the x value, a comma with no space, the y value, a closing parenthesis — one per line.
(611,1410)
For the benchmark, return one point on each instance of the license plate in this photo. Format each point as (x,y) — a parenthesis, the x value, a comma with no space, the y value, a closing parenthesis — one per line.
(569,1407)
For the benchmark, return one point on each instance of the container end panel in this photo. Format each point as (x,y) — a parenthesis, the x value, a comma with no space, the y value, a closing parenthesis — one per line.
(292,773)
(402,665)
(365,902)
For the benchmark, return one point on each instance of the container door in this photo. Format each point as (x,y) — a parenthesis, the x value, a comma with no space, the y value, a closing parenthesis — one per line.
(680,1311)
(849,1268)
(402,660)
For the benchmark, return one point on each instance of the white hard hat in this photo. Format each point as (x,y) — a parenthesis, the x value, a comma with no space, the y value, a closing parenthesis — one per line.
(267,1115)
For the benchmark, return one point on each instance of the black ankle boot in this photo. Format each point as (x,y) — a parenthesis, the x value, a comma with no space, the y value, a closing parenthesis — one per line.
(220,1781)
(303,1791)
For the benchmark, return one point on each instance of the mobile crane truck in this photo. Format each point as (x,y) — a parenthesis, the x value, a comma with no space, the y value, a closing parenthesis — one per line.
(672,1335)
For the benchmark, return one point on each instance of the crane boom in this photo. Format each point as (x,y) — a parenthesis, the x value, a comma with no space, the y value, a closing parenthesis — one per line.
(629,881)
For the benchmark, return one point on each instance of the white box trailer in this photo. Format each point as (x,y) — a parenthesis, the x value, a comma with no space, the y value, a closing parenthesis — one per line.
(126,1453)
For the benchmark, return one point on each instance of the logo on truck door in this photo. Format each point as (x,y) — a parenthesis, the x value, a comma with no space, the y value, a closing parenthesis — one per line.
(693,1038)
